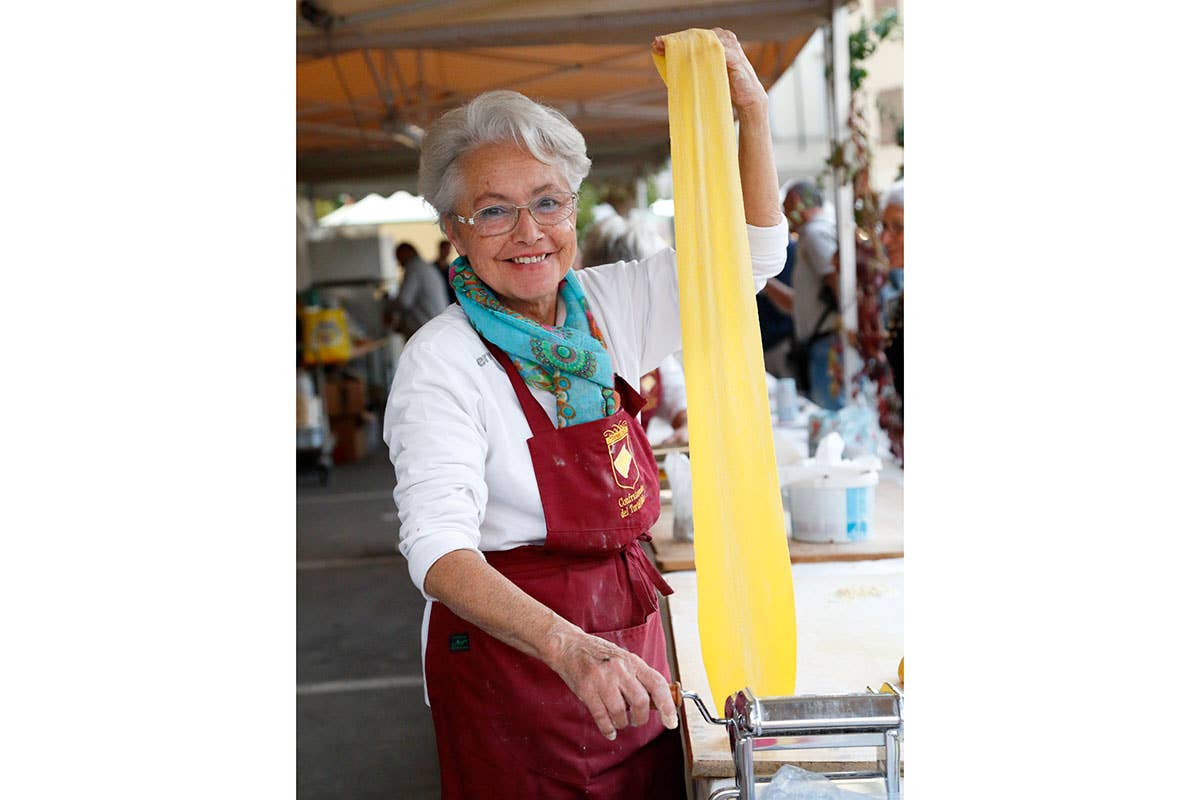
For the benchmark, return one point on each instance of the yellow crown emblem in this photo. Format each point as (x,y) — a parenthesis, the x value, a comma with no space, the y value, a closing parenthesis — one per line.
(616,433)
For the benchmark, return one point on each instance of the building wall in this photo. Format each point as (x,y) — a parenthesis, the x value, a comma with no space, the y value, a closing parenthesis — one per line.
(884,88)
(799,119)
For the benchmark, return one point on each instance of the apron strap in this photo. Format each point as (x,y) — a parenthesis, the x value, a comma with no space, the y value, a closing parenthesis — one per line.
(646,567)
(539,421)
(630,400)
(535,415)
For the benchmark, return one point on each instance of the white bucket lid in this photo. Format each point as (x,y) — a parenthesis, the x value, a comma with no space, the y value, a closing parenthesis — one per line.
(848,476)
(828,470)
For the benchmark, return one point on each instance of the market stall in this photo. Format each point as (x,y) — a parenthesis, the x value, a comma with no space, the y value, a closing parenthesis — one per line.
(370,79)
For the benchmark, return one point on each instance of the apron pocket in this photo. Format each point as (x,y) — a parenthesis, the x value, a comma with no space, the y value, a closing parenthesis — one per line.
(553,734)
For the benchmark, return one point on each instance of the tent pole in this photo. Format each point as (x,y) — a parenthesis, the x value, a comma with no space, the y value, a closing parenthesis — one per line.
(837,71)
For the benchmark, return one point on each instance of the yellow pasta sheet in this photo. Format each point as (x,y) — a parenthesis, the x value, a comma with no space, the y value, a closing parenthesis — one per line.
(744,582)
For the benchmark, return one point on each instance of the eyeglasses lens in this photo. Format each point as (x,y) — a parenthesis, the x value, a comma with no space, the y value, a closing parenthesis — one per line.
(549,209)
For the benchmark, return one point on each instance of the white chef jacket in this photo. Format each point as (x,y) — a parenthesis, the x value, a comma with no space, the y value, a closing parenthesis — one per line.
(455,430)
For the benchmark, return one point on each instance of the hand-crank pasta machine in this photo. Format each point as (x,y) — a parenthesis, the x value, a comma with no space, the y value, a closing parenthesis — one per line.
(757,724)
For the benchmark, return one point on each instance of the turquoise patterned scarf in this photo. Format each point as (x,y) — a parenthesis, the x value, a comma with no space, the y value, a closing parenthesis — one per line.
(570,360)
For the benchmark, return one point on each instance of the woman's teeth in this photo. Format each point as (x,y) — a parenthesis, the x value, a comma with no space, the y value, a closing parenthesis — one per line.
(529,259)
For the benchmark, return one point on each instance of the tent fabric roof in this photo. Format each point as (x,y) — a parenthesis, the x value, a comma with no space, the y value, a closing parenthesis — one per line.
(371,74)
(376,210)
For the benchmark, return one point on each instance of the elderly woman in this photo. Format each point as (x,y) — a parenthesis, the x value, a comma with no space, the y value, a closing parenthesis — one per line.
(523,483)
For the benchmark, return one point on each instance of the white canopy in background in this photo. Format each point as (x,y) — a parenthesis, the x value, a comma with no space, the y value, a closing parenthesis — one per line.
(376,210)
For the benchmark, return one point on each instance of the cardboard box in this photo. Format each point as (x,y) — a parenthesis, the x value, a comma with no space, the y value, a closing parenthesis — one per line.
(333,398)
(354,395)
(345,395)
(350,438)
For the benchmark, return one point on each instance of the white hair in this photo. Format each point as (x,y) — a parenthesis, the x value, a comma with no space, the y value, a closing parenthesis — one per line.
(615,238)
(894,196)
(497,117)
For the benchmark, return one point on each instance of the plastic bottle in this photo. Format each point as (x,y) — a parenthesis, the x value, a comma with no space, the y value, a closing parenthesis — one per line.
(786,400)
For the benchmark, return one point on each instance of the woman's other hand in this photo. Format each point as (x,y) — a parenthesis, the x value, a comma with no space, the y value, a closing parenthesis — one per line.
(756,156)
(745,89)
(618,687)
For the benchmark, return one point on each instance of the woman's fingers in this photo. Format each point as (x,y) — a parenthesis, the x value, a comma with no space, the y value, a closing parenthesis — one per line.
(745,89)
(614,701)
(660,696)
(600,715)
(617,687)
(639,704)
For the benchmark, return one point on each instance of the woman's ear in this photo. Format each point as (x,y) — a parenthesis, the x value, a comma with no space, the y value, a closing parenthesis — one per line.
(451,231)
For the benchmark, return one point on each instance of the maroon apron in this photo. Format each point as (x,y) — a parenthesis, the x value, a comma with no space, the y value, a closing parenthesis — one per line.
(507,725)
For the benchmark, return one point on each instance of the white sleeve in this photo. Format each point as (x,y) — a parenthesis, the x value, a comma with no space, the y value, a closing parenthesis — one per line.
(768,252)
(435,436)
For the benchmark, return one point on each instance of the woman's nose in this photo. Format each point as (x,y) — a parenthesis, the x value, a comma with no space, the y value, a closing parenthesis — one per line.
(527,229)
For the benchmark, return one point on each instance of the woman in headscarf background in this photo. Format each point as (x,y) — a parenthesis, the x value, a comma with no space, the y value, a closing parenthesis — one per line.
(523,483)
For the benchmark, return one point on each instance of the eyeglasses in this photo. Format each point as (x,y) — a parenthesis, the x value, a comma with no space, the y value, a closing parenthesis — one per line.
(494,220)
(896,228)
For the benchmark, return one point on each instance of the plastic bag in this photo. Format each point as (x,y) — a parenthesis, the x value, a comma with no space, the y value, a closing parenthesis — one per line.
(794,783)
(858,424)
(679,477)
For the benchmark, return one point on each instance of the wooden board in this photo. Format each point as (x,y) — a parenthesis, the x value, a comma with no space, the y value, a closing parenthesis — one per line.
(886,542)
(850,635)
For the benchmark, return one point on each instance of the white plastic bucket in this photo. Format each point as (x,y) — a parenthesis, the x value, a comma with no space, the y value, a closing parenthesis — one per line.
(832,503)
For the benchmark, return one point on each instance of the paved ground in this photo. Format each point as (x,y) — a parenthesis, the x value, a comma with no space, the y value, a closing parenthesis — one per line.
(363,730)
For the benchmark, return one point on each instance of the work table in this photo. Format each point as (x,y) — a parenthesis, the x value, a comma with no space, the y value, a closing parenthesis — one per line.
(850,636)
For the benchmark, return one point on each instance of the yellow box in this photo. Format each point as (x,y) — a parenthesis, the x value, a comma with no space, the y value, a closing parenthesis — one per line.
(326,337)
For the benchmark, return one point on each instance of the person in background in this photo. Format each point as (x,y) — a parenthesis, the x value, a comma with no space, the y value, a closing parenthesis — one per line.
(891,232)
(775,326)
(617,238)
(614,239)
(422,295)
(523,484)
(811,299)
(442,262)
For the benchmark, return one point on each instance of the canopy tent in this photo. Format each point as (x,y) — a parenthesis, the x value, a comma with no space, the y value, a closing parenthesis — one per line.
(376,210)
(371,74)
